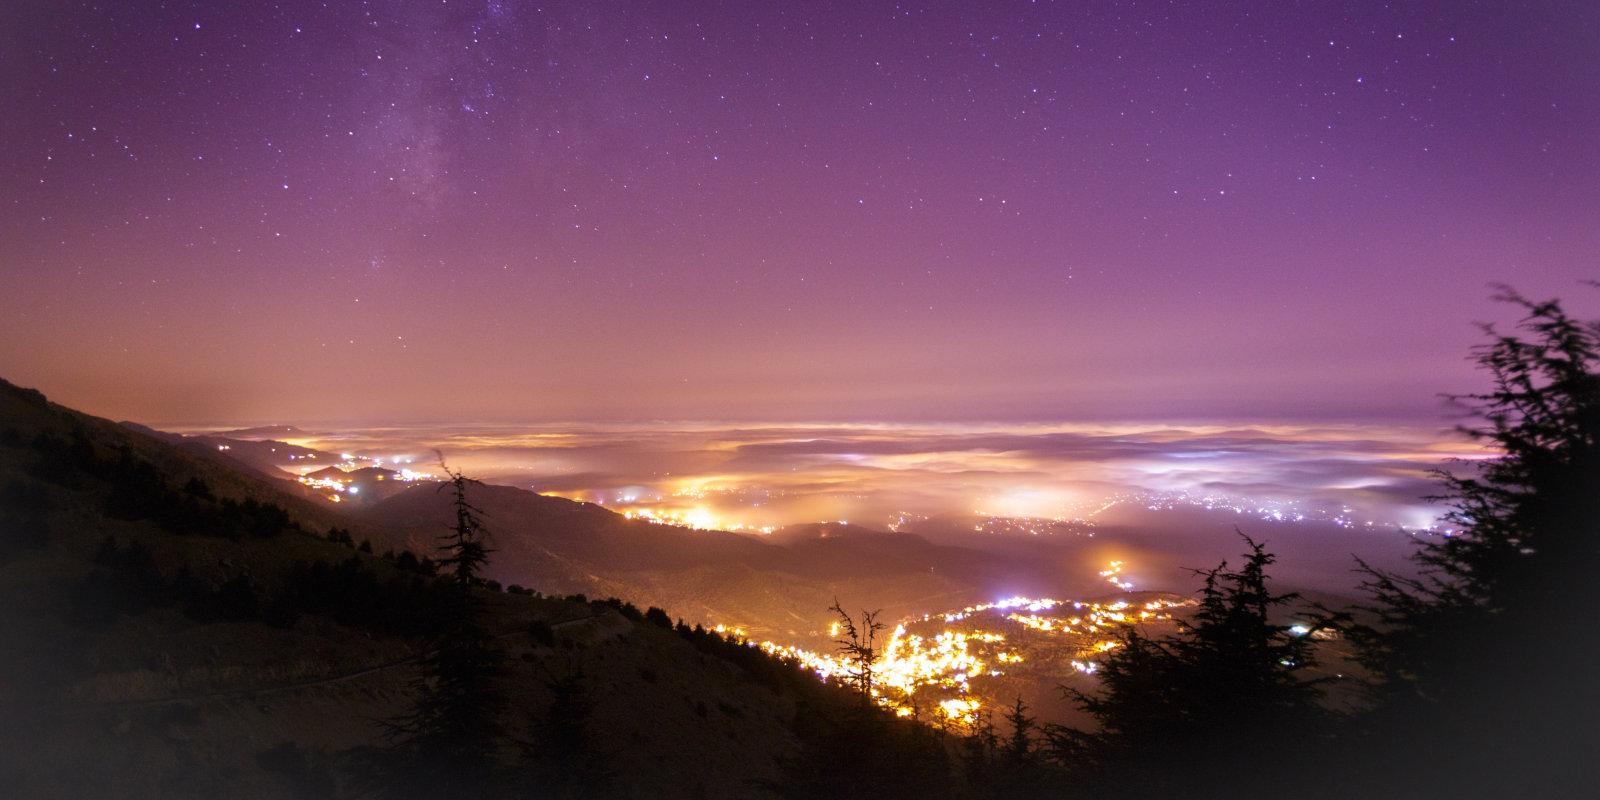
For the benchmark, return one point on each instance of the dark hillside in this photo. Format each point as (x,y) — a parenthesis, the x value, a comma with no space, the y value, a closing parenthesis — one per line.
(174,628)
(267,458)
(772,586)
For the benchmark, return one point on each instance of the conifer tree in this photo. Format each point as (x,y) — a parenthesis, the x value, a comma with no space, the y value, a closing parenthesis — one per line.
(1018,770)
(979,752)
(447,744)
(1018,749)
(1221,707)
(1482,658)
(466,552)
(568,762)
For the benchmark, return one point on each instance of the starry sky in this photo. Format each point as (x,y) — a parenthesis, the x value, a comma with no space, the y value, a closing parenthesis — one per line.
(470,210)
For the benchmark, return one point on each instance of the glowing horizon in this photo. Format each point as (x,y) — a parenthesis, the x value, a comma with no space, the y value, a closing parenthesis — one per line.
(759,477)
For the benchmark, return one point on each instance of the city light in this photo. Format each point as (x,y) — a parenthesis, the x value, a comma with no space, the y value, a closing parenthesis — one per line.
(942,663)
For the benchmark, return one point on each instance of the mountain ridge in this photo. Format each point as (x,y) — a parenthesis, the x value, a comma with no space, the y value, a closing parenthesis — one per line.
(179,627)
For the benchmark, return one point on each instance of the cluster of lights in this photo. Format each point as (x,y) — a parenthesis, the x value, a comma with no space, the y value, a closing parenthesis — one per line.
(698,518)
(962,710)
(1079,519)
(908,664)
(1113,575)
(339,486)
(1079,522)
(1096,617)
(1268,510)
(684,507)
(328,484)
(350,462)
(997,525)
(901,519)
(912,667)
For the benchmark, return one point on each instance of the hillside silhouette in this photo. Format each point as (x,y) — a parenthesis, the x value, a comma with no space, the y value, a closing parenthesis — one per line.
(179,627)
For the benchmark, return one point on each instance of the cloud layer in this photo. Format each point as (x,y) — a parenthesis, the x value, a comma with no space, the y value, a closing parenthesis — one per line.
(765,475)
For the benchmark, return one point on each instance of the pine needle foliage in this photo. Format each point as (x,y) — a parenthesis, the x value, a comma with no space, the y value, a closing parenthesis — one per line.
(1481,659)
(448,743)
(1202,709)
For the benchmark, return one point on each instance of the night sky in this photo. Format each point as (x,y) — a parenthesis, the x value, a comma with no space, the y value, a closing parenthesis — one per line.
(501,211)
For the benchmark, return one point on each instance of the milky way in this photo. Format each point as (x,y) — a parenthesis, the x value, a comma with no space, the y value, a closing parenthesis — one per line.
(474,211)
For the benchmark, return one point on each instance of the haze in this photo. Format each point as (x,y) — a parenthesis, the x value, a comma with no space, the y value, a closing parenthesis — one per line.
(752,477)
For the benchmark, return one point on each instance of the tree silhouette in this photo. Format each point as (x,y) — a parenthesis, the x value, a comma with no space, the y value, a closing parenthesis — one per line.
(979,752)
(1018,748)
(858,643)
(856,749)
(1018,769)
(567,761)
(859,749)
(464,546)
(448,743)
(1481,660)
(1214,708)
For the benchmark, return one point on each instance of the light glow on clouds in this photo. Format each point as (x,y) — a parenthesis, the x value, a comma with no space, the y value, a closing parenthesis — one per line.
(778,474)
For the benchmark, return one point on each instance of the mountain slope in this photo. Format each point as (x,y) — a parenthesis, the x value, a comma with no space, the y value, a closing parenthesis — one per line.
(778,585)
(174,627)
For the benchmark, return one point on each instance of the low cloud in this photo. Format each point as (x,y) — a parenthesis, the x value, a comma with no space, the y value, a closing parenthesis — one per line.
(781,474)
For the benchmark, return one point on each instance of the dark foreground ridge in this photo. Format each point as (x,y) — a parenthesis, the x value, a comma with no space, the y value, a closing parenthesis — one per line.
(179,628)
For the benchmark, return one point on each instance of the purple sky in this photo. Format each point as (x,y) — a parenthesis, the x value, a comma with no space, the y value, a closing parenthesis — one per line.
(475,211)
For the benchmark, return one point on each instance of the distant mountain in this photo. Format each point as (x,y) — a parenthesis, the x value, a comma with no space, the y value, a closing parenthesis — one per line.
(363,484)
(808,531)
(267,457)
(151,432)
(263,432)
(778,585)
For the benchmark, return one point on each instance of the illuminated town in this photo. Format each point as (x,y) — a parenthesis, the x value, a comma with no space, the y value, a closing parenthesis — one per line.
(936,667)
(696,518)
(704,508)
(354,476)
